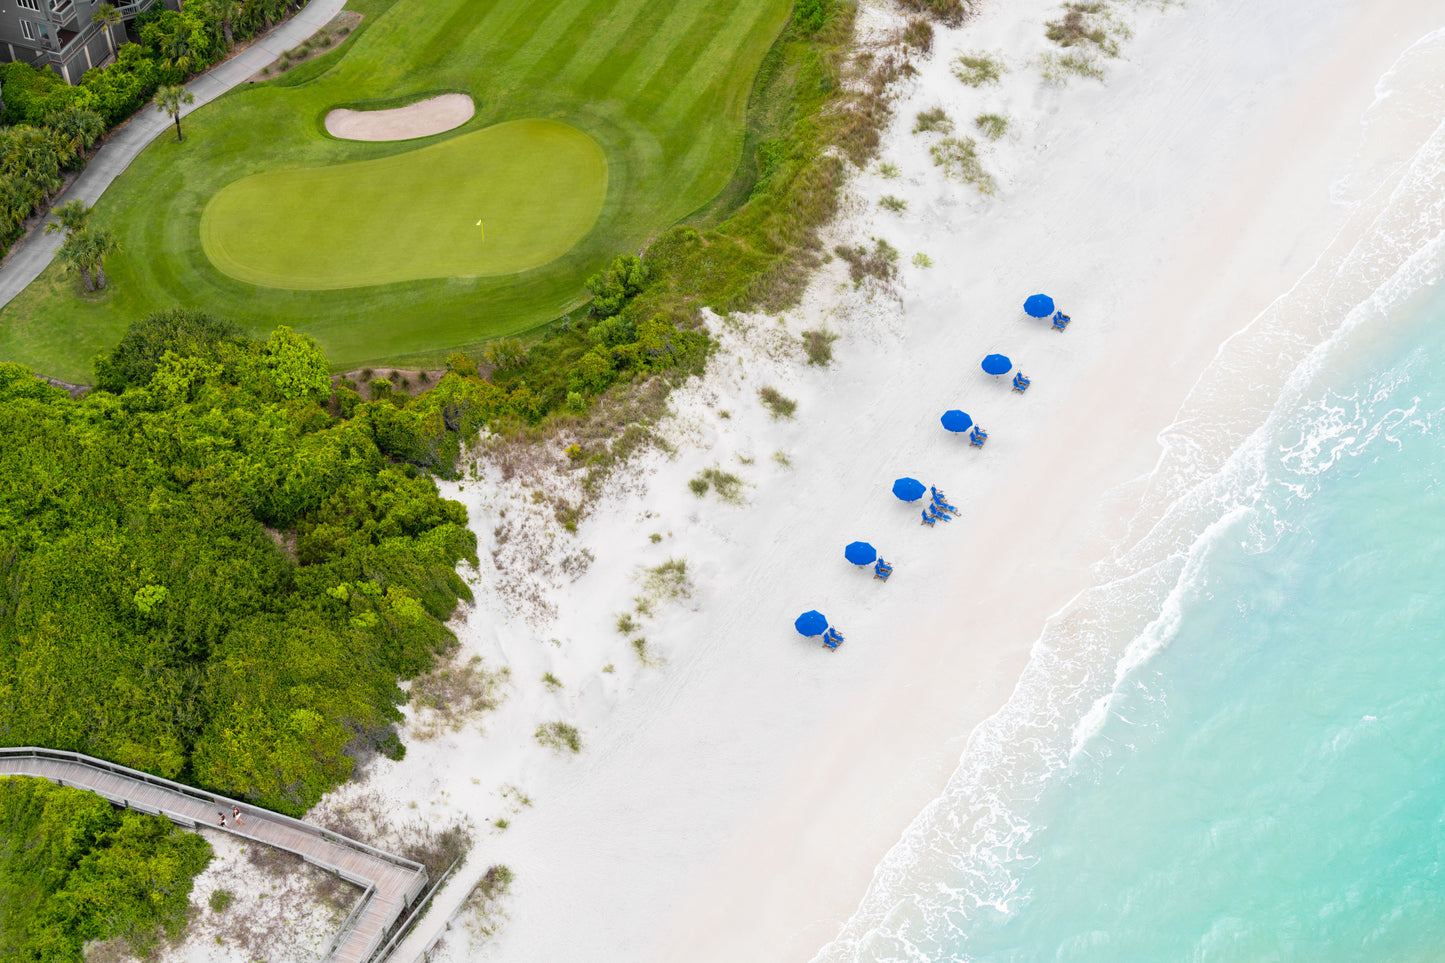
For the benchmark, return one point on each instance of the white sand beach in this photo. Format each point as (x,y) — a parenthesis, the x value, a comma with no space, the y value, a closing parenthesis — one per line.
(732,801)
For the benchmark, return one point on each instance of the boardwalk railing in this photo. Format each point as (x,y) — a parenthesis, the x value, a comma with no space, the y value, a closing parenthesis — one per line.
(390,883)
(418,911)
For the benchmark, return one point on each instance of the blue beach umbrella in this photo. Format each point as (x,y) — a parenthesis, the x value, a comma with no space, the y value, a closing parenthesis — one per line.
(811,623)
(1039,306)
(996,364)
(909,489)
(956,421)
(860,553)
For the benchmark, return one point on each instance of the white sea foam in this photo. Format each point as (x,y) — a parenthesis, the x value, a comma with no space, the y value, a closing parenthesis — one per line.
(1258,405)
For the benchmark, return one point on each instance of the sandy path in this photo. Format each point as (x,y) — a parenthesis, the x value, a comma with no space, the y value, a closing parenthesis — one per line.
(421,119)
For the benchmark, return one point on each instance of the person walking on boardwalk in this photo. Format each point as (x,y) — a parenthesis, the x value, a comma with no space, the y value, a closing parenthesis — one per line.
(236,815)
(222,817)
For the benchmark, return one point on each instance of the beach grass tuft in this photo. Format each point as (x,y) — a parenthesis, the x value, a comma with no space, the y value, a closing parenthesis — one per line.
(879,264)
(918,34)
(888,171)
(958,156)
(818,346)
(934,120)
(993,126)
(891,203)
(1058,68)
(668,581)
(922,260)
(729,487)
(1088,25)
(450,696)
(978,68)
(776,402)
(951,12)
(644,653)
(559,736)
(482,908)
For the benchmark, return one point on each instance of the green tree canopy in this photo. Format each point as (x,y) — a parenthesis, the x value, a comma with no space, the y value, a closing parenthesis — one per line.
(209,571)
(72,869)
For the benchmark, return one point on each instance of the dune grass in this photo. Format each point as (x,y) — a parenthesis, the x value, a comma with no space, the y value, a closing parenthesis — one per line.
(661,86)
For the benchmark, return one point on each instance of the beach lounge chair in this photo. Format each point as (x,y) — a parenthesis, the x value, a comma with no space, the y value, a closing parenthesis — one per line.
(1021,384)
(977,437)
(938,496)
(943,506)
(882,569)
(938,513)
(832,638)
(1061,320)
(927,519)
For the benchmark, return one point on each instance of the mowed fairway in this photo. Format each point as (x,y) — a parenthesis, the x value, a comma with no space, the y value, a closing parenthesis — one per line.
(659,86)
(497,201)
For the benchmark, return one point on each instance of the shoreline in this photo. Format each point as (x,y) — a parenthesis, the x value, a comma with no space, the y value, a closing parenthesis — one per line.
(734,802)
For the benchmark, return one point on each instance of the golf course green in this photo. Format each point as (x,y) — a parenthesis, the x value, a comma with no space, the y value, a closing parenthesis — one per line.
(599,124)
(496,201)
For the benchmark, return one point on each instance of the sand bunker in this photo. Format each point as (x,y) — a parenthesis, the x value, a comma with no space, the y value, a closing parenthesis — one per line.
(421,119)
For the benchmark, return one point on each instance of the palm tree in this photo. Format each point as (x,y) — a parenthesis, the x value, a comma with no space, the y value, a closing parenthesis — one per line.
(77,130)
(107,16)
(178,51)
(85,250)
(74,256)
(223,11)
(170,99)
(98,243)
(15,201)
(70,217)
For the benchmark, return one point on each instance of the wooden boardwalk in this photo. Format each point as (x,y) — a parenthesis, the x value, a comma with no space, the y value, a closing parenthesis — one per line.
(390,883)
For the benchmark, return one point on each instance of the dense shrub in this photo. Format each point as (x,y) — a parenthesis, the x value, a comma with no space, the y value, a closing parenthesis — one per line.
(74,869)
(209,573)
(623,279)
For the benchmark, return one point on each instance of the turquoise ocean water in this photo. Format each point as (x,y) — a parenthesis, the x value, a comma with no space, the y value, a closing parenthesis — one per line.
(1271,784)
(1233,747)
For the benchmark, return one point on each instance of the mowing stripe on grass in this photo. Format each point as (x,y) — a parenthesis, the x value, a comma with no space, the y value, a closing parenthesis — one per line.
(467,15)
(701,87)
(683,57)
(487,35)
(668,37)
(625,33)
(550,31)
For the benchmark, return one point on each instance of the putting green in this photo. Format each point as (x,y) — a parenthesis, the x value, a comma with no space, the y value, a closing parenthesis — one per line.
(497,201)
